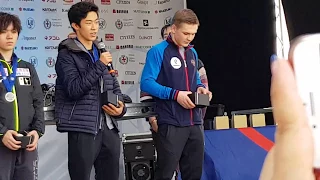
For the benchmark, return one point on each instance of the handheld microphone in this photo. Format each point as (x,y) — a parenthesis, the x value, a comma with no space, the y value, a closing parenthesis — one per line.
(102,48)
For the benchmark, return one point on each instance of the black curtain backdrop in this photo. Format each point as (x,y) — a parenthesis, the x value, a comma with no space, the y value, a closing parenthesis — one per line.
(235,41)
(303,16)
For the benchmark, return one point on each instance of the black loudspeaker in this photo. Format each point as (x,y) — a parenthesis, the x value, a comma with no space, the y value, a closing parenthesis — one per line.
(139,156)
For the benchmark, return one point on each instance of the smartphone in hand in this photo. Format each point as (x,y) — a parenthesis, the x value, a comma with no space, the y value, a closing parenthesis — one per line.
(305,55)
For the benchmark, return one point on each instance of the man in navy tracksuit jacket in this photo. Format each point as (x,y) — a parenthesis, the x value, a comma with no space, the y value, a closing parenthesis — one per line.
(82,76)
(169,75)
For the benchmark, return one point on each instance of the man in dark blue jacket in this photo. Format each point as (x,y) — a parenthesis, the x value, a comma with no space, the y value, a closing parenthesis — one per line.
(82,76)
(170,75)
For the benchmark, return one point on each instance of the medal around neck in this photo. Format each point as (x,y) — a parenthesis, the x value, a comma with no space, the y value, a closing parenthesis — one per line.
(8,81)
(10,97)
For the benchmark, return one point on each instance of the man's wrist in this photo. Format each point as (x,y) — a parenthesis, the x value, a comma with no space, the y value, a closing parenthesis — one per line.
(152,121)
(38,132)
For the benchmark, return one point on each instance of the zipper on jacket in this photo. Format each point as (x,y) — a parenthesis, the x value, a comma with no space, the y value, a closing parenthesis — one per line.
(98,117)
(15,102)
(98,121)
(73,107)
(187,80)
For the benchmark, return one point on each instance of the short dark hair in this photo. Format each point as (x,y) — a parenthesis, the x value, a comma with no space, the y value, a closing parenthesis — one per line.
(185,16)
(80,10)
(163,29)
(6,19)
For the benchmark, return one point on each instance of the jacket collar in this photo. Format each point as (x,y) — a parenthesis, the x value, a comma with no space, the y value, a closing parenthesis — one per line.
(170,41)
(74,45)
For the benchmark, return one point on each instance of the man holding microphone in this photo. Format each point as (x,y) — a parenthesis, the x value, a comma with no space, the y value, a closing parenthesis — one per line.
(82,77)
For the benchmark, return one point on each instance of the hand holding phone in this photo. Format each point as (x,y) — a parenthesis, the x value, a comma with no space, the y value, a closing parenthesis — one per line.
(305,55)
(25,140)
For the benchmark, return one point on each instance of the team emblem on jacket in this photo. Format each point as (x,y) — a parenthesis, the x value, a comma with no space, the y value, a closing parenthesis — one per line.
(175,63)
(193,62)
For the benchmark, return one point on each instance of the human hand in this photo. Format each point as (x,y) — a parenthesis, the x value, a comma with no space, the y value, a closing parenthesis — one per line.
(293,153)
(34,144)
(202,90)
(112,110)
(9,141)
(184,100)
(153,123)
(106,58)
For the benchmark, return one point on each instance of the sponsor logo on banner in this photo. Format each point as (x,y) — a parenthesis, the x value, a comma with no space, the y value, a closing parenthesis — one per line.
(28,38)
(143,47)
(167,20)
(50,1)
(124,46)
(144,2)
(106,2)
(162,2)
(67,2)
(52,23)
(51,47)
(49,10)
(50,62)
(109,37)
(123,59)
(52,38)
(102,23)
(30,23)
(127,37)
(120,11)
(141,11)
(162,10)
(103,11)
(34,61)
(6,9)
(28,48)
(64,10)
(26,9)
(145,24)
(52,76)
(125,22)
(142,63)
(130,73)
(123,2)
(127,82)
(145,37)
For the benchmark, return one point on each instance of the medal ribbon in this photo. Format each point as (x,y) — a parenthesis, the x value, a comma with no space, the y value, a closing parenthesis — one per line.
(9,80)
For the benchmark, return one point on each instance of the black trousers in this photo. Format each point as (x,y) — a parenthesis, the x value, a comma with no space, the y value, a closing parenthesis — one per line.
(183,145)
(20,164)
(101,151)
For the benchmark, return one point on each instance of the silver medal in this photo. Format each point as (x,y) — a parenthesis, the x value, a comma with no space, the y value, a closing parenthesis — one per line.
(10,97)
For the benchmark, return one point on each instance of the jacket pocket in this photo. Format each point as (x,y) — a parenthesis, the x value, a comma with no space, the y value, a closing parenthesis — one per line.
(72,111)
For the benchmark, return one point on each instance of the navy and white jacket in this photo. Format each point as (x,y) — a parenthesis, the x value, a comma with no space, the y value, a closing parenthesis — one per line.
(77,97)
(167,72)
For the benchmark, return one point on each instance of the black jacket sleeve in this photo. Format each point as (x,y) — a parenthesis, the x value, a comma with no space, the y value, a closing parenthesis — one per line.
(117,91)
(3,129)
(37,95)
(74,84)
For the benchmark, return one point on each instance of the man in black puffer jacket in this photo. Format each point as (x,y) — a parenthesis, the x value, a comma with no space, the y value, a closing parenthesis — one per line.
(82,76)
